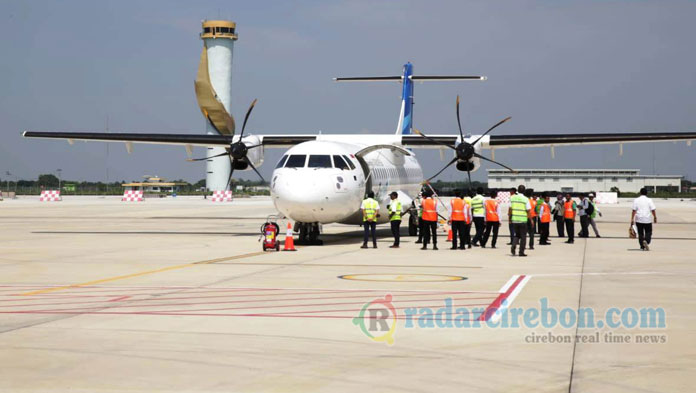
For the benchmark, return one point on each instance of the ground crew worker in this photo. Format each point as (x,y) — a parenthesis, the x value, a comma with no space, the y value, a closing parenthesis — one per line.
(395,211)
(584,213)
(643,207)
(537,199)
(511,228)
(429,220)
(479,214)
(593,215)
(419,207)
(370,212)
(519,215)
(569,208)
(544,213)
(531,224)
(457,220)
(558,212)
(492,220)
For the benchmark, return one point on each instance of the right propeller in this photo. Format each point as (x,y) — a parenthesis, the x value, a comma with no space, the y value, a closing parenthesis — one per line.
(465,151)
(237,152)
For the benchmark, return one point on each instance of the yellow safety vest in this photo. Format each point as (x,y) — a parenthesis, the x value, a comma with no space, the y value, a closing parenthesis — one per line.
(370,209)
(518,204)
(477,205)
(397,214)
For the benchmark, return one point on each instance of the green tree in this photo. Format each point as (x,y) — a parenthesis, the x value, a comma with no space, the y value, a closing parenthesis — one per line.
(48,180)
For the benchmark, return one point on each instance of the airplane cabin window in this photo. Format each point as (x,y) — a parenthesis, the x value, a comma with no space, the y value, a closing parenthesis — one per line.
(319,161)
(296,161)
(348,160)
(339,163)
(282,161)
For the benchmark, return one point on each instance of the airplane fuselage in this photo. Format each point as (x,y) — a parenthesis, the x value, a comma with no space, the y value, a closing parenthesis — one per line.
(326,180)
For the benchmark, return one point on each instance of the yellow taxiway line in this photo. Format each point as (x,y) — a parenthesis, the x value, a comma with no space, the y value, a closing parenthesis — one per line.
(103,280)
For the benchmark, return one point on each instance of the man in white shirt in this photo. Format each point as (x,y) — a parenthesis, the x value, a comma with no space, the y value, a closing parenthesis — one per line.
(643,215)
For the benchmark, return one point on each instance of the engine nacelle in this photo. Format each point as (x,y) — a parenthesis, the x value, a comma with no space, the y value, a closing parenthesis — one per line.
(254,155)
(471,165)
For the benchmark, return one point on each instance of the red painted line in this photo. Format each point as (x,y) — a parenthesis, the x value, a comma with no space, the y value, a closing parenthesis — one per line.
(495,305)
(141,302)
(119,298)
(78,309)
(201,314)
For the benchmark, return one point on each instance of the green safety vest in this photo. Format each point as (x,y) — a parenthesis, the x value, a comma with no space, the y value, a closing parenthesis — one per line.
(477,205)
(370,209)
(397,215)
(594,211)
(518,204)
(419,207)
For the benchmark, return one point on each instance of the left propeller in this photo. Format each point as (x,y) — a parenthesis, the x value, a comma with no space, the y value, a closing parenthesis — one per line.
(237,151)
(464,151)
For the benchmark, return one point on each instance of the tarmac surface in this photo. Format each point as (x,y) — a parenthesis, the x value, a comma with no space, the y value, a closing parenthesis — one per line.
(175,295)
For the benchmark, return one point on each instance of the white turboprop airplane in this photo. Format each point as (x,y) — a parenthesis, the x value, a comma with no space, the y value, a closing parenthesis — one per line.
(323,178)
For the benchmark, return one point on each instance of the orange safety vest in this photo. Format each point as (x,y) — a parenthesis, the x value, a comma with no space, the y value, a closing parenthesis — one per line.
(492,211)
(429,210)
(532,212)
(457,209)
(569,211)
(545,212)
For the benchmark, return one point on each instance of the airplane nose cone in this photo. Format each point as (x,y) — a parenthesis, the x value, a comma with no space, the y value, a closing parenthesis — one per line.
(307,195)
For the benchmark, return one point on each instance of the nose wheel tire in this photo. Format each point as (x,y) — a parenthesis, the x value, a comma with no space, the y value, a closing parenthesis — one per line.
(309,234)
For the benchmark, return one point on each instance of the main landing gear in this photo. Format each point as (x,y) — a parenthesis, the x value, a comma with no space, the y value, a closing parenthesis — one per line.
(309,234)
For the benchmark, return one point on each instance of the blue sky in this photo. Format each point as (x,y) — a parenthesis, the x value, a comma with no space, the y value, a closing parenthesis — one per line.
(554,66)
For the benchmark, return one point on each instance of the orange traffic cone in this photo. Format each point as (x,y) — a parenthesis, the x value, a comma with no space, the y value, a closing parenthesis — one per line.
(449,235)
(289,241)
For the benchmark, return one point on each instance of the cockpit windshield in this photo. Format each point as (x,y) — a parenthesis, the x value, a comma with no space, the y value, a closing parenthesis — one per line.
(339,163)
(320,161)
(296,161)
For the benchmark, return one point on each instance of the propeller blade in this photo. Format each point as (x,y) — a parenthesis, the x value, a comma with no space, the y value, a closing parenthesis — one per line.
(442,170)
(246,117)
(491,129)
(229,179)
(205,158)
(257,172)
(459,123)
(433,140)
(495,162)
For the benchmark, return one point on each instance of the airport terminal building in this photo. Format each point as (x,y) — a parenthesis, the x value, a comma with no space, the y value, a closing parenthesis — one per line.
(582,180)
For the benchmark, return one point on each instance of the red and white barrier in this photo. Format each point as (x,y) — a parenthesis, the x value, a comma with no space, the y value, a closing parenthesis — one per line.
(50,196)
(221,196)
(503,197)
(132,196)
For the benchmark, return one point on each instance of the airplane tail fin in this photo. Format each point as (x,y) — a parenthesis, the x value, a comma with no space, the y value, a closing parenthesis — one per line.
(405,125)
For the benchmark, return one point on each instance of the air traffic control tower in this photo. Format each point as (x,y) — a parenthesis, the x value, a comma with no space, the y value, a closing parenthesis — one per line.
(214,94)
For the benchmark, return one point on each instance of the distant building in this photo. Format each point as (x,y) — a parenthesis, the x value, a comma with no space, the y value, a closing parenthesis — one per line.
(154,184)
(582,180)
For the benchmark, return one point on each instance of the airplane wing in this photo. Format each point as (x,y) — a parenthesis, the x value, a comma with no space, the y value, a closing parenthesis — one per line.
(167,139)
(540,140)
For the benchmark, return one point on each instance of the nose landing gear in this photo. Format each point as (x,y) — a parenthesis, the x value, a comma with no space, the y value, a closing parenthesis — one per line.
(309,233)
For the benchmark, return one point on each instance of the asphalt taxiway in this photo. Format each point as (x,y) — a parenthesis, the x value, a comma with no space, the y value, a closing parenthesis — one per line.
(176,295)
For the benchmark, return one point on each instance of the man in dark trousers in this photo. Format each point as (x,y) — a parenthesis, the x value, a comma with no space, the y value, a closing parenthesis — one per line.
(519,215)
(544,213)
(479,214)
(418,202)
(584,214)
(458,214)
(395,211)
(531,224)
(643,209)
(429,220)
(569,209)
(557,213)
(492,220)
(370,212)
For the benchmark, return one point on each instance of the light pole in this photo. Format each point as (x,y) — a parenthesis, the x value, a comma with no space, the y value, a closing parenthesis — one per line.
(59,177)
